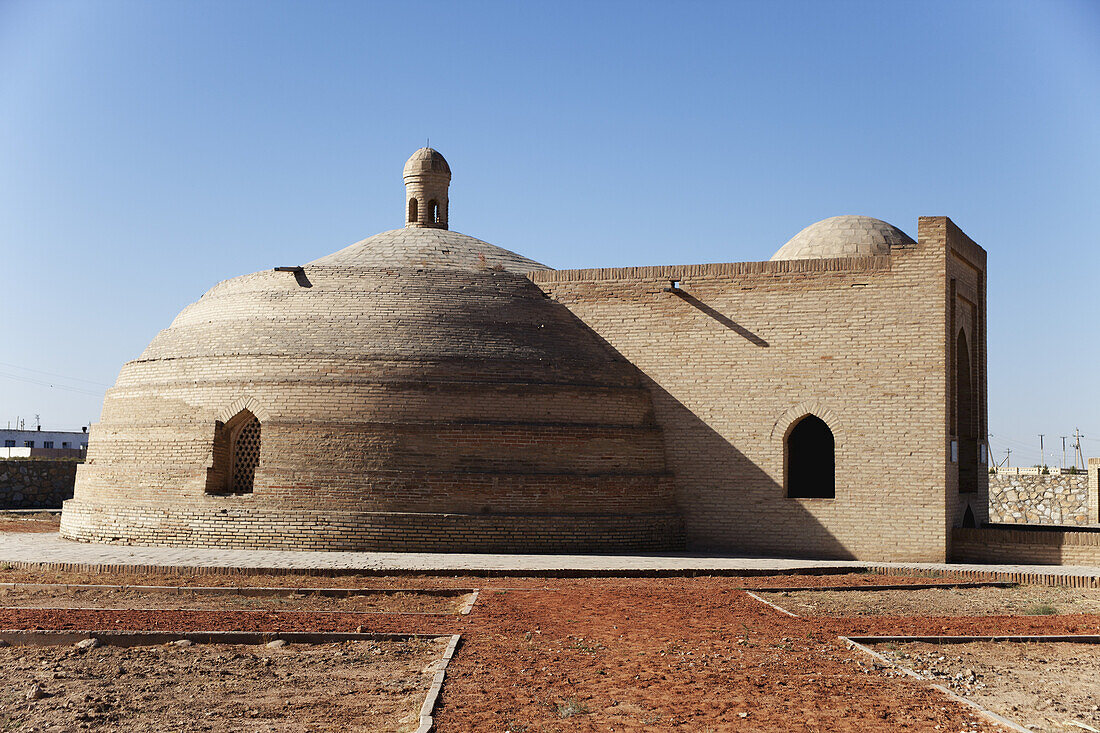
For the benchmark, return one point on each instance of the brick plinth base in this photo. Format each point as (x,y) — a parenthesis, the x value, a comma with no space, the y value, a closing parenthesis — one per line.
(1030,546)
(245,528)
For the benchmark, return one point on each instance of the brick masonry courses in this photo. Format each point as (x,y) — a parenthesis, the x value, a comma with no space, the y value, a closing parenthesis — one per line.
(1027,544)
(442,402)
(36,483)
(746,349)
(423,389)
(471,402)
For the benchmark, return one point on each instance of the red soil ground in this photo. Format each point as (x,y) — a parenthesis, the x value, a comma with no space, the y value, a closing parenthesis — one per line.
(690,654)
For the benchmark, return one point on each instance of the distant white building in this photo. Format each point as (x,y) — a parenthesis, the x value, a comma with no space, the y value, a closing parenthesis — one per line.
(26,443)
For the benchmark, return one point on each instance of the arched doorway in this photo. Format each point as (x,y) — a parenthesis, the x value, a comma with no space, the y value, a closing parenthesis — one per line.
(966,423)
(810,460)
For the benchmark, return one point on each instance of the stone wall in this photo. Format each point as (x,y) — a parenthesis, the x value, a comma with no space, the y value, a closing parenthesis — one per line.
(1053,499)
(36,483)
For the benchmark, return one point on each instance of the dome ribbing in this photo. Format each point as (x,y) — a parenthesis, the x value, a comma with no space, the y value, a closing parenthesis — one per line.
(843,236)
(413,391)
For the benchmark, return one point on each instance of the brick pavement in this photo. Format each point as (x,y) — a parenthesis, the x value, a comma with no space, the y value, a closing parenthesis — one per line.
(50,548)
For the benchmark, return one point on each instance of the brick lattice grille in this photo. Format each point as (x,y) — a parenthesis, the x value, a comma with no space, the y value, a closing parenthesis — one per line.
(246,454)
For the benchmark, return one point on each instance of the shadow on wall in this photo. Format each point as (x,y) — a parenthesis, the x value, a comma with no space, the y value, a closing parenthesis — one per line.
(724,320)
(728,503)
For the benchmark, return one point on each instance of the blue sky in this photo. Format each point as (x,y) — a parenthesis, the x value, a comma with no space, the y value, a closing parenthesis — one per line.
(151,149)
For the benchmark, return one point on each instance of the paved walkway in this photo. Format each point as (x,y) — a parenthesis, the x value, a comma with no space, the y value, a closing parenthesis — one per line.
(50,548)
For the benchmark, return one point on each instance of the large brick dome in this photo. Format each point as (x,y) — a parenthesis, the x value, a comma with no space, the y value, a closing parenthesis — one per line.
(413,391)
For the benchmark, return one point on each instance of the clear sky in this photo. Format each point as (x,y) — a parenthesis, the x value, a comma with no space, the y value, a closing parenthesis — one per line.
(151,149)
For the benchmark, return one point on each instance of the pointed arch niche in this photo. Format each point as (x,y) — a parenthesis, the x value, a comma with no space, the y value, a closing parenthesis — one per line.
(810,459)
(236,449)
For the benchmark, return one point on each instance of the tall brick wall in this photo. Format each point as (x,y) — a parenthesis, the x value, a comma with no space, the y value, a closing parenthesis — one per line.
(966,313)
(36,483)
(745,350)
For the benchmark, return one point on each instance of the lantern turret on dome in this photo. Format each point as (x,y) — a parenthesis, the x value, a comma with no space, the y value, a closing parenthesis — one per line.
(427,177)
(412,391)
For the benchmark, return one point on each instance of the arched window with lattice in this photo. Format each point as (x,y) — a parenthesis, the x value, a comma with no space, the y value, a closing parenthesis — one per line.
(236,455)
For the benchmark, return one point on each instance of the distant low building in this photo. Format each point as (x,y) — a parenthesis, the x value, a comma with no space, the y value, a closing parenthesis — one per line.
(42,443)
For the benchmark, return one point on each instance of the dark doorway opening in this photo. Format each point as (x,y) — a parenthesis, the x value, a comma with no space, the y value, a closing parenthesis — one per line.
(968,518)
(966,418)
(811,462)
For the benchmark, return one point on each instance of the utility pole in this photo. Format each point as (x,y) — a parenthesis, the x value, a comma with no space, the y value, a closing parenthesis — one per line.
(1042,461)
(1077,448)
(1064,451)
(1008,454)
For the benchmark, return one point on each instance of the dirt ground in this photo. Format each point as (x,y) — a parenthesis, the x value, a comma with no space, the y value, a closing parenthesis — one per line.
(1041,686)
(38,522)
(622,654)
(366,602)
(1024,600)
(373,580)
(360,686)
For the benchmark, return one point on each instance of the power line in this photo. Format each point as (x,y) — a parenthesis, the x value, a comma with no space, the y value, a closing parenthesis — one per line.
(1019,443)
(51,385)
(51,374)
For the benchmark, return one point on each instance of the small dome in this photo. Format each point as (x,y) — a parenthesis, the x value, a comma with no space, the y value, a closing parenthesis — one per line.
(843,236)
(427,160)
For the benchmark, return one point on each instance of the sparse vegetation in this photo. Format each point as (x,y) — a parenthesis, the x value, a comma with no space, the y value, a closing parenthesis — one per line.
(588,647)
(571,707)
(1041,609)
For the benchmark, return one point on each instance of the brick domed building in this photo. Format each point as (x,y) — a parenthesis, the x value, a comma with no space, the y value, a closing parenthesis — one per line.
(425,390)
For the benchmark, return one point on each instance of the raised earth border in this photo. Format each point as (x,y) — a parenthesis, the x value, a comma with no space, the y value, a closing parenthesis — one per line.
(860,642)
(252,591)
(46,637)
(878,587)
